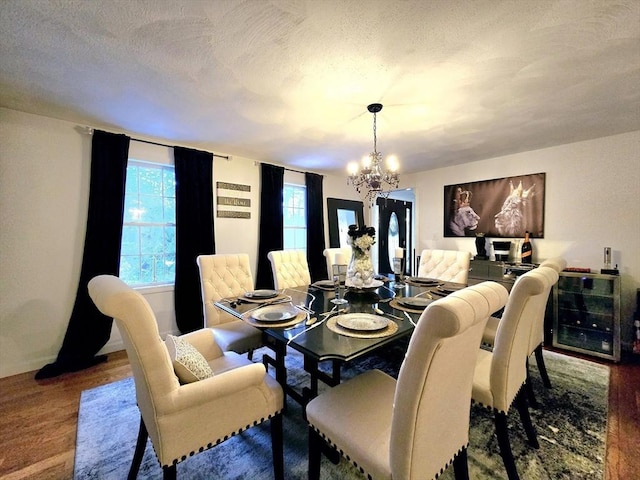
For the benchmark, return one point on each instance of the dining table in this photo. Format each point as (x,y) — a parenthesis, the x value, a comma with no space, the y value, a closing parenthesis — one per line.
(307,319)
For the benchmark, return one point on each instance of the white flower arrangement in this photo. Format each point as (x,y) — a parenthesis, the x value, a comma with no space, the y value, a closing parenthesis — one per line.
(360,271)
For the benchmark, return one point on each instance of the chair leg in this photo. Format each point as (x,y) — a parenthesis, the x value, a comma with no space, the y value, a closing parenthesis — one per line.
(315,453)
(141,445)
(530,393)
(461,466)
(505,446)
(277,446)
(169,473)
(250,354)
(523,409)
(542,367)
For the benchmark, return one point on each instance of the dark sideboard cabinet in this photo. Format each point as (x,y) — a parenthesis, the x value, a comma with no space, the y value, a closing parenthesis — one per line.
(587,314)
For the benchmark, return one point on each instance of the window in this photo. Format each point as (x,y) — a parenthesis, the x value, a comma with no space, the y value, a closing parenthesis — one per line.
(148,255)
(294,209)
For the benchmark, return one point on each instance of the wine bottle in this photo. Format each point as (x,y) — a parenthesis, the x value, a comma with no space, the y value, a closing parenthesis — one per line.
(527,250)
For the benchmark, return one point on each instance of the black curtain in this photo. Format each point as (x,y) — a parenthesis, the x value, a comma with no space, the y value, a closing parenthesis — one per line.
(89,330)
(271,221)
(194,232)
(315,227)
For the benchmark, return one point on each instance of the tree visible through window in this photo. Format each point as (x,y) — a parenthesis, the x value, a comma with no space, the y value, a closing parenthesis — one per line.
(148,253)
(295,217)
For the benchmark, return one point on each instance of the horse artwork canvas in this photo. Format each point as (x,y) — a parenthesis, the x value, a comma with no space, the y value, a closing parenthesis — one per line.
(498,208)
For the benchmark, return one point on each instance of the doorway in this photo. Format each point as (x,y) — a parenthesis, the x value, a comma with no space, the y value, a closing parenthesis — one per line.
(395,230)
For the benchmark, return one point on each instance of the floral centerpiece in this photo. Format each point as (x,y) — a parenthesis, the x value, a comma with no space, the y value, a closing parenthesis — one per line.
(360,269)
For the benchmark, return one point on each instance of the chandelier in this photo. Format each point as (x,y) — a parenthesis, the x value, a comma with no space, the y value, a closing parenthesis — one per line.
(370,177)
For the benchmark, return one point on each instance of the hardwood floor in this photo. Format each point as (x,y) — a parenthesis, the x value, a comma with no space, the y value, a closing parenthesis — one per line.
(38,420)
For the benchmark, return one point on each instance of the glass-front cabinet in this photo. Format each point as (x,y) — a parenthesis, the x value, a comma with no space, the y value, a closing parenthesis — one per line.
(587,314)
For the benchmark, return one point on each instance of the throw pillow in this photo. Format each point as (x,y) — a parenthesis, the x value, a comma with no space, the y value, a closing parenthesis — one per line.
(188,363)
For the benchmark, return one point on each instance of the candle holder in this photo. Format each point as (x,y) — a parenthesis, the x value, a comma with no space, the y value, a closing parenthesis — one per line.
(398,271)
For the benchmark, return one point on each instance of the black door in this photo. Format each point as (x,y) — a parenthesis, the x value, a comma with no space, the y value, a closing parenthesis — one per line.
(393,232)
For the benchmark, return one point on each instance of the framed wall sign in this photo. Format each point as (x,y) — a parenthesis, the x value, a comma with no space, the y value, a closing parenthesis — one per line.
(341,214)
(500,208)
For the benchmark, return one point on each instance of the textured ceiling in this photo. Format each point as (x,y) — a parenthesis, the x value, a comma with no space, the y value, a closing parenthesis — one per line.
(288,81)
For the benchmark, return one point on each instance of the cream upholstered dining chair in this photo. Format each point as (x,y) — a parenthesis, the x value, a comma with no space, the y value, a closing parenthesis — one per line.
(331,254)
(501,373)
(290,268)
(536,339)
(445,265)
(227,393)
(227,276)
(417,426)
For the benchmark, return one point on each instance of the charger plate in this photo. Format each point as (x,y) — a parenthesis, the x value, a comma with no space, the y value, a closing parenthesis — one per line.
(448,288)
(261,294)
(300,317)
(391,328)
(419,303)
(423,281)
(256,300)
(398,306)
(323,284)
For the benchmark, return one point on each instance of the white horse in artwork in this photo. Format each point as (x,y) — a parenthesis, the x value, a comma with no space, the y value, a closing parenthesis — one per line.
(511,220)
(464,217)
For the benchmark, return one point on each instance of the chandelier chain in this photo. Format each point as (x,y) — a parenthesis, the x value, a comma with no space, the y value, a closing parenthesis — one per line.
(371,179)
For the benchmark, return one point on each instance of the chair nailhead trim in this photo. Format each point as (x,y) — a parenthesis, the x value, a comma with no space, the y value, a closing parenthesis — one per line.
(218,441)
(355,464)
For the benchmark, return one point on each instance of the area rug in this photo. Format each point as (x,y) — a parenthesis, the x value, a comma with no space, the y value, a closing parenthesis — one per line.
(571,425)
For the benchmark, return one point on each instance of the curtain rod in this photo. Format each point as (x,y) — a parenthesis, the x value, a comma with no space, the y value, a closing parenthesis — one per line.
(171,146)
(89,131)
(256,163)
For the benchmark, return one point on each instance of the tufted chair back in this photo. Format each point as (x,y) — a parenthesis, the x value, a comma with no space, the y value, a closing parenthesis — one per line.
(331,254)
(222,276)
(503,371)
(430,392)
(415,427)
(557,263)
(445,265)
(290,268)
(552,268)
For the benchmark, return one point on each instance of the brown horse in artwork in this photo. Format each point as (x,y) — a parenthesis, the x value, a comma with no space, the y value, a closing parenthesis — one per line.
(511,220)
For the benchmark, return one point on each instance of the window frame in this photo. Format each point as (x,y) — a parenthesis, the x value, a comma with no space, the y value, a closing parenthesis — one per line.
(296,191)
(163,284)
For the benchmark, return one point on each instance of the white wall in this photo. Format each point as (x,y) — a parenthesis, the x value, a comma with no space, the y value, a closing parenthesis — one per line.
(591,201)
(44,191)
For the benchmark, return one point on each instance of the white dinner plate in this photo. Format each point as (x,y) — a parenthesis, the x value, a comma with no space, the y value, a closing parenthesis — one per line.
(414,302)
(323,283)
(261,294)
(275,313)
(362,321)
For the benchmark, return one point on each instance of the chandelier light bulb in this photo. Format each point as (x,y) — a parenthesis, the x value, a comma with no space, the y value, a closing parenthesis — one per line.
(353,168)
(392,163)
